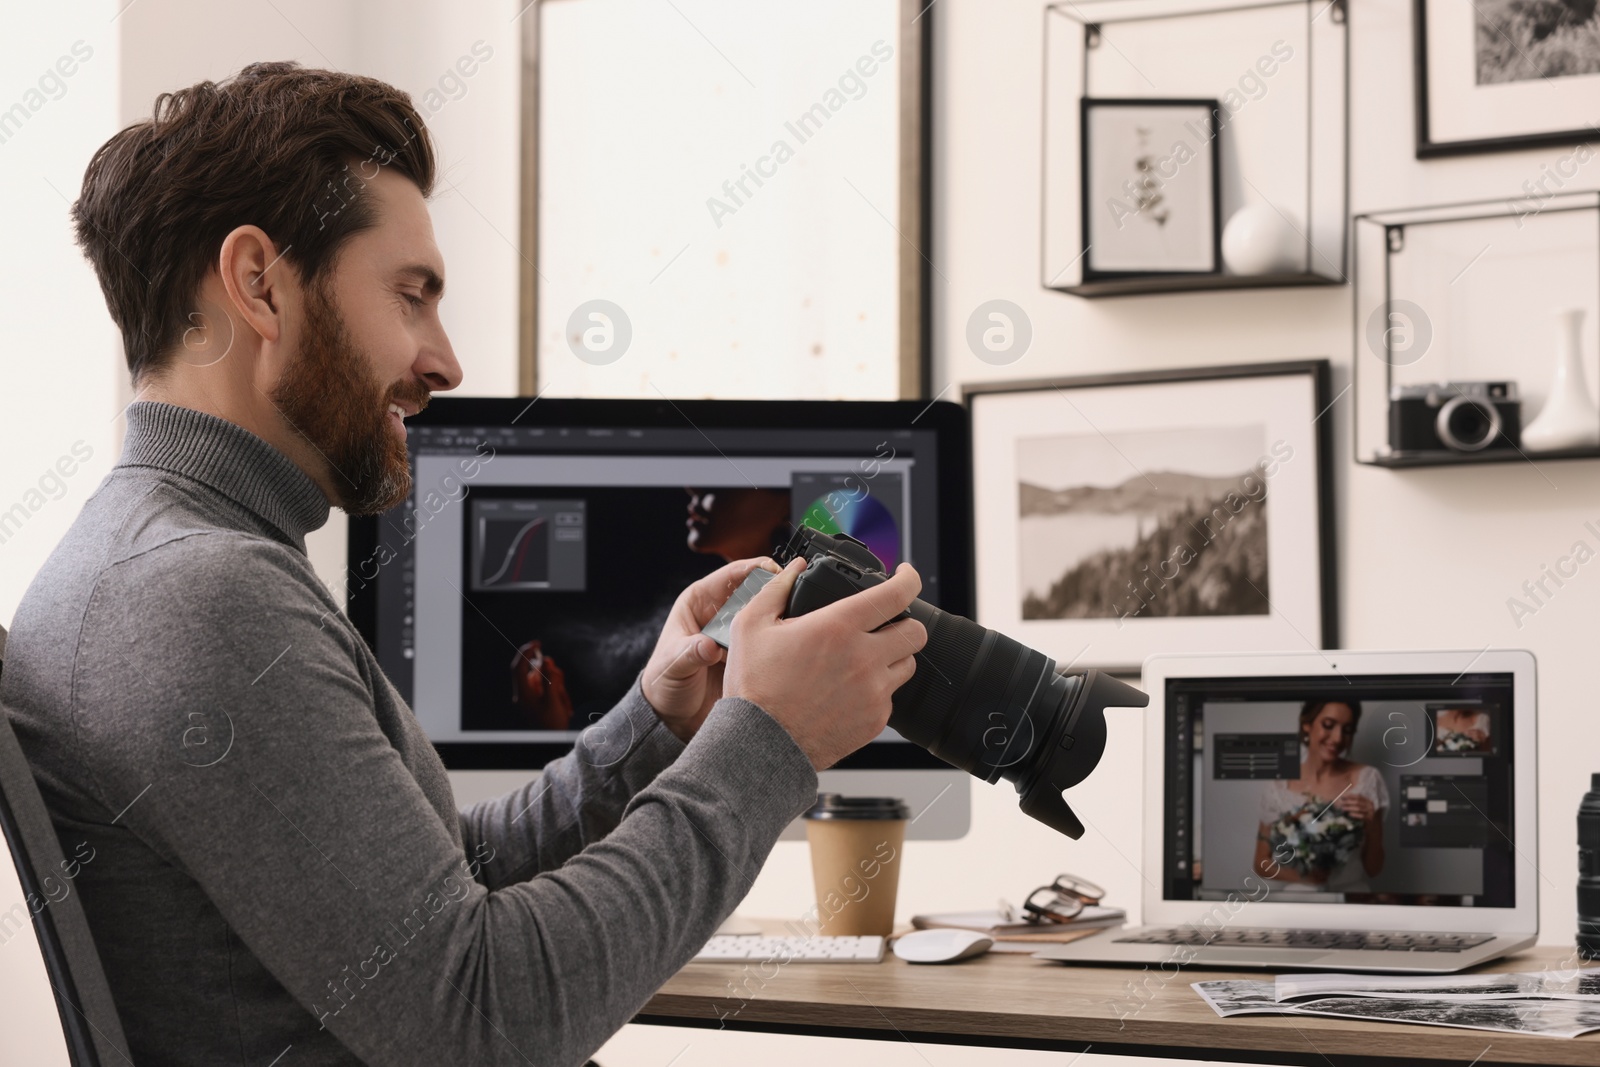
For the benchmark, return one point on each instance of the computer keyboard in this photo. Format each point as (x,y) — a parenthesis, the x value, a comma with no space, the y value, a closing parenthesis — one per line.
(1372,940)
(731,948)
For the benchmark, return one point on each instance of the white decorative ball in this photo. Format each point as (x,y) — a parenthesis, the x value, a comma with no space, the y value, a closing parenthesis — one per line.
(1259,240)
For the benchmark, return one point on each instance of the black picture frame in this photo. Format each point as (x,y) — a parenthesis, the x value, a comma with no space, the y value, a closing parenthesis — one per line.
(1320,431)
(1428,148)
(1212,146)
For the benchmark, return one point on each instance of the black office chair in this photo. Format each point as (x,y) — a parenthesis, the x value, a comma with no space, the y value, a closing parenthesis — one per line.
(83,1000)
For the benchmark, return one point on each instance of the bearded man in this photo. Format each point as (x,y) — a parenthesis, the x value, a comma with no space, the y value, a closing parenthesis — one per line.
(280,871)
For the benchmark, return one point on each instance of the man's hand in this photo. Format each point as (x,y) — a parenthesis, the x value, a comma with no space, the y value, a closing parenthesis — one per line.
(684,676)
(828,676)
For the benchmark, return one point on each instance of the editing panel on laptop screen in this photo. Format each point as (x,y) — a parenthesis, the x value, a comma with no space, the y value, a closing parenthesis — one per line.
(1368,790)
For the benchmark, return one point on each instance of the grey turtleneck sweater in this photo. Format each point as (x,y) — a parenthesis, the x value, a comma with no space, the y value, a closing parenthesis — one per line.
(278,866)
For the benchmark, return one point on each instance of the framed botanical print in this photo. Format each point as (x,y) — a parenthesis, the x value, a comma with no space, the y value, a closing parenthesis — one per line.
(1151,187)
(1168,511)
(1498,75)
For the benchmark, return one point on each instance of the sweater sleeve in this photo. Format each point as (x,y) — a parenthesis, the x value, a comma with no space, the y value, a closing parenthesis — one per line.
(325,857)
(577,799)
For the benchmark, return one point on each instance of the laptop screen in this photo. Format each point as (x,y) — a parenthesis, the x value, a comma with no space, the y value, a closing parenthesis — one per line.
(1371,789)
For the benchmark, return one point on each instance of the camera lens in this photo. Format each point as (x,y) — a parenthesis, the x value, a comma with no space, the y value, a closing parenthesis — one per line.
(1589,872)
(1467,425)
(980,701)
(997,709)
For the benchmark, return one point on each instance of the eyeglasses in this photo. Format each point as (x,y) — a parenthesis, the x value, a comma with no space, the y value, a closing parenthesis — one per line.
(1059,902)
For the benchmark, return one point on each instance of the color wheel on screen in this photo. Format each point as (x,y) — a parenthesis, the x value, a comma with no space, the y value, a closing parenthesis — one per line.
(864,518)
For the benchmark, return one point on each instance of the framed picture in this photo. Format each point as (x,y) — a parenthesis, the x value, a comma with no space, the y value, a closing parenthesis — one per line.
(1165,511)
(1151,187)
(1498,75)
(719,258)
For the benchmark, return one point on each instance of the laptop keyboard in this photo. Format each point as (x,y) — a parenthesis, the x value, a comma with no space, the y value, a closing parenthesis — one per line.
(1369,940)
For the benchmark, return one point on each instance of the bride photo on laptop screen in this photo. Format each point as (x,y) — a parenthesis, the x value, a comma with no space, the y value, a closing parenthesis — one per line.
(1370,789)
(1324,827)
(1335,811)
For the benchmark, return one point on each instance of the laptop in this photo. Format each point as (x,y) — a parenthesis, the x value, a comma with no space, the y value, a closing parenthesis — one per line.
(1335,811)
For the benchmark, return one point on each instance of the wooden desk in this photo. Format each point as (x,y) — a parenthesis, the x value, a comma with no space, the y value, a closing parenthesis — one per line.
(1011,1001)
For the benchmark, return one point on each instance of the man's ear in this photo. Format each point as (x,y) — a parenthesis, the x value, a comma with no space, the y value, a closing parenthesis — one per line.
(255,279)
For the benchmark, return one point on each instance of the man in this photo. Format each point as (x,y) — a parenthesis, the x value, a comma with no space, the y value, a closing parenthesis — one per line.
(279,870)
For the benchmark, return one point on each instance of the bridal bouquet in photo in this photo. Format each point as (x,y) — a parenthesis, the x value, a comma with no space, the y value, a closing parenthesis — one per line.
(1457,741)
(1313,838)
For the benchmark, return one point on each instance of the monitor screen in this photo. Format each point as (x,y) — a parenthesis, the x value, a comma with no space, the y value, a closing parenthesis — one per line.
(1373,789)
(514,597)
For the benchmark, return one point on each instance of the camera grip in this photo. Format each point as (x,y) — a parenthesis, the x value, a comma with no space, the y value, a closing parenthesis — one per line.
(824,581)
(827,580)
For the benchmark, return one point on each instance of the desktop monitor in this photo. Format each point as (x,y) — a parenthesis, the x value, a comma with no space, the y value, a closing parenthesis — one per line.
(515,595)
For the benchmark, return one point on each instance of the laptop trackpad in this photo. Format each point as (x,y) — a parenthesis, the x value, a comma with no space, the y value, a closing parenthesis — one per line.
(1286,957)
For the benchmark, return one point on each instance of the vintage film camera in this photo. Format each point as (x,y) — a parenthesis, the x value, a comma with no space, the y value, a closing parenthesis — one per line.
(1455,417)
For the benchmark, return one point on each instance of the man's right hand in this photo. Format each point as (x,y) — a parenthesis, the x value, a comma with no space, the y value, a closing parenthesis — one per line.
(828,676)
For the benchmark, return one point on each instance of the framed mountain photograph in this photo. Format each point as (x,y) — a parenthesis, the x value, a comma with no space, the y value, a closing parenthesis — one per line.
(1122,515)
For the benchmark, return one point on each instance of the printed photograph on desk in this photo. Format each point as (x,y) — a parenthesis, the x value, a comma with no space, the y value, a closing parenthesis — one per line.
(1126,515)
(1525,1015)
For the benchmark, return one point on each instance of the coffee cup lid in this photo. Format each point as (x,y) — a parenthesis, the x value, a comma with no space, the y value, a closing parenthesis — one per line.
(835,806)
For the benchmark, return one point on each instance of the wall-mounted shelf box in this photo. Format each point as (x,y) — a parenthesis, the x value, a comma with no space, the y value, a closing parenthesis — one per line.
(1285,140)
(1469,293)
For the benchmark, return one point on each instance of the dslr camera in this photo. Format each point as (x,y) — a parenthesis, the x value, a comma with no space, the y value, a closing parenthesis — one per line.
(1455,417)
(979,701)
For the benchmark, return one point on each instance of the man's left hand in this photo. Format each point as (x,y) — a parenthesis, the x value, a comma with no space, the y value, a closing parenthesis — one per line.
(684,676)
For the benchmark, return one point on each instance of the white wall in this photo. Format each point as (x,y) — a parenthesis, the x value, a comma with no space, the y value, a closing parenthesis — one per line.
(58,386)
(55,387)
(412,44)
(1426,557)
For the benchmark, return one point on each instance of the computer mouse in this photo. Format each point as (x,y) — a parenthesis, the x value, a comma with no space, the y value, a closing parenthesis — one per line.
(941,946)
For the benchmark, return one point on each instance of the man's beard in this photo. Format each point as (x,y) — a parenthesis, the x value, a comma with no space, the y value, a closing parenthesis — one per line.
(332,398)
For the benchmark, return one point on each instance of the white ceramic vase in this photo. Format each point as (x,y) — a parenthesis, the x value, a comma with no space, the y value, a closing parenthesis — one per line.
(1569,418)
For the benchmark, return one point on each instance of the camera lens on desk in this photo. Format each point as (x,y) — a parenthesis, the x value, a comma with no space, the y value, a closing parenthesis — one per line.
(1589,872)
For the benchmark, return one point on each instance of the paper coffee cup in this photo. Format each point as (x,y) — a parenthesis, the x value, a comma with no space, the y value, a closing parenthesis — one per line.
(855,862)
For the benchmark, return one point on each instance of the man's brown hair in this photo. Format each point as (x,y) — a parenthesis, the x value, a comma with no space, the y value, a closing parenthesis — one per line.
(278,146)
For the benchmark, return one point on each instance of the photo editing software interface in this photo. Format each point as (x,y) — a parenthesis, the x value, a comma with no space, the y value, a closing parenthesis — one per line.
(1376,789)
(524,607)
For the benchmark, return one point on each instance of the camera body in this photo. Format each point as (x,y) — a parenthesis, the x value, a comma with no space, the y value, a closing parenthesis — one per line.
(836,566)
(979,700)
(1455,417)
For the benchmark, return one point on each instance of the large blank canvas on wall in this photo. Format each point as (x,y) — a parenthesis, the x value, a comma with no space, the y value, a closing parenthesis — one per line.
(727,174)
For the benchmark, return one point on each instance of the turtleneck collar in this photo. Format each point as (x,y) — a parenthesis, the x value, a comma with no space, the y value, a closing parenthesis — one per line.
(228,458)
